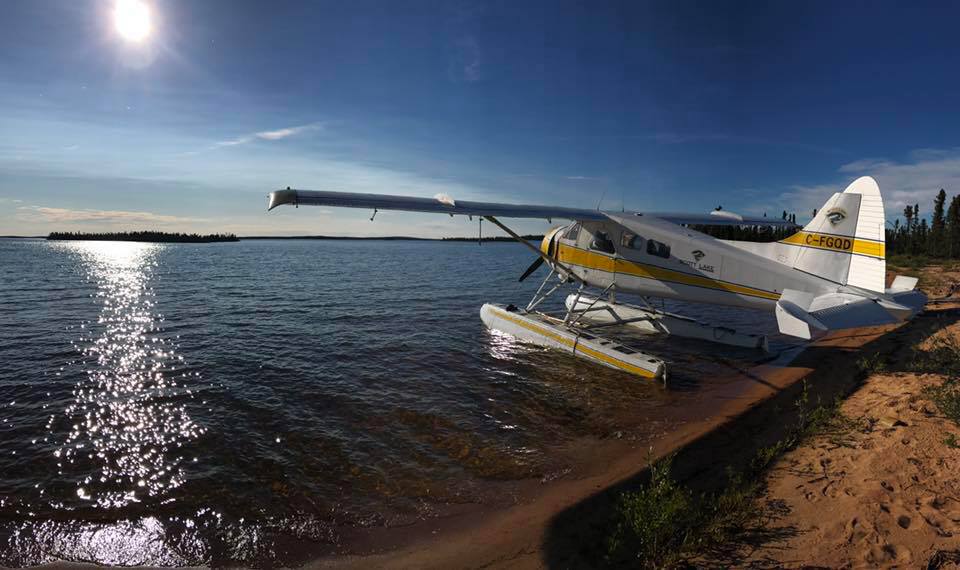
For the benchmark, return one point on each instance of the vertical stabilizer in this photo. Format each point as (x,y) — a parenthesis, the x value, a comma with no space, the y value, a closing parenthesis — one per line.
(844,242)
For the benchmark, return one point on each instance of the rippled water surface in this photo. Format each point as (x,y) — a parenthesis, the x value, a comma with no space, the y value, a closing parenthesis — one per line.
(241,402)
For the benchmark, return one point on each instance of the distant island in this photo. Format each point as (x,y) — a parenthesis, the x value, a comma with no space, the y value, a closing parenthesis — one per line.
(156,237)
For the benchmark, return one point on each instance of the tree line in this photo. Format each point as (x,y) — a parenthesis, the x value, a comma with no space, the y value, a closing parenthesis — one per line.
(751,233)
(940,238)
(148,236)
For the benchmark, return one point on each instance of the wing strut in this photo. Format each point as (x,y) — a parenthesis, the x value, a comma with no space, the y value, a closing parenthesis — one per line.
(553,262)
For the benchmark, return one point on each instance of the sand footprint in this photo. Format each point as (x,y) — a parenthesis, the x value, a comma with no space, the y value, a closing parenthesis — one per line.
(887,553)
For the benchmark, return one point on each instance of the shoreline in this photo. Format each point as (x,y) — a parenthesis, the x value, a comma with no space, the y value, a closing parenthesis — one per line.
(517,536)
(547,527)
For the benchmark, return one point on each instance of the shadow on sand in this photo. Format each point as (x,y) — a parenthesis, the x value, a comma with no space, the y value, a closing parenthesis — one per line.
(576,537)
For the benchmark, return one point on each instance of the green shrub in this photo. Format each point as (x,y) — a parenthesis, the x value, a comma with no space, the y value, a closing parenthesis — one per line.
(871,364)
(943,357)
(654,523)
(946,396)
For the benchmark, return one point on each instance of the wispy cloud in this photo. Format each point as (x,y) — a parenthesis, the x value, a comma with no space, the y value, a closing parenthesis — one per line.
(584,178)
(467,60)
(863,165)
(273,135)
(66,215)
(915,180)
(683,138)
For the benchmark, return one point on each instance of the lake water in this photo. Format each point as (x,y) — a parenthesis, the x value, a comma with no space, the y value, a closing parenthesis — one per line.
(241,402)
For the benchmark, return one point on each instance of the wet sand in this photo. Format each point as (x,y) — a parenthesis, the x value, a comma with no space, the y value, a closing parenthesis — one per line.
(555,523)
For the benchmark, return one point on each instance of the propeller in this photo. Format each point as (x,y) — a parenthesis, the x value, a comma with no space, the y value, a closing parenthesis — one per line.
(539,260)
(533,267)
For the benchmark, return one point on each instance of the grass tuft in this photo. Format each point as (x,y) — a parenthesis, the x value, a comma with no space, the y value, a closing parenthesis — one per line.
(943,357)
(946,396)
(870,364)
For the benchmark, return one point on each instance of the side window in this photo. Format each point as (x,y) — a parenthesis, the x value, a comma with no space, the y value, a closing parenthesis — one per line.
(631,240)
(572,232)
(658,249)
(602,242)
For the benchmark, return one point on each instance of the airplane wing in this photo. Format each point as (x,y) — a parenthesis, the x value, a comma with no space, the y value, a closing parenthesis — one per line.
(443,204)
(440,204)
(718,218)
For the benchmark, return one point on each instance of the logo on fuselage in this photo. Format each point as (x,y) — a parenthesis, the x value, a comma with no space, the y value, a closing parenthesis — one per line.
(697,255)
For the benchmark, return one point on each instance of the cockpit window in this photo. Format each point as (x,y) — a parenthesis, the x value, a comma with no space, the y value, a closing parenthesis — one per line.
(572,232)
(658,249)
(631,240)
(602,242)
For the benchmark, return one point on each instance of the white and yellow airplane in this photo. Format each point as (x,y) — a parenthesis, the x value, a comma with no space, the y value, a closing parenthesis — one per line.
(828,276)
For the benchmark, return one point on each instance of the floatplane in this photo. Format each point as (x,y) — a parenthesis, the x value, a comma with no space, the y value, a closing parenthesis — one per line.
(829,275)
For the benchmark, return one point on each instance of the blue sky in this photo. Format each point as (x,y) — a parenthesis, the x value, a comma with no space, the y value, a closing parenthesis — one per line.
(656,106)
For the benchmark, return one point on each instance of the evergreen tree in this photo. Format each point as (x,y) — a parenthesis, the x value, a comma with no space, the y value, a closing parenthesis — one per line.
(922,236)
(935,243)
(907,230)
(953,228)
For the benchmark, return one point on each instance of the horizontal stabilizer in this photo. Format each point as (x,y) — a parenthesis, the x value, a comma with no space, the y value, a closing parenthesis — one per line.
(793,318)
(805,316)
(914,299)
(904,283)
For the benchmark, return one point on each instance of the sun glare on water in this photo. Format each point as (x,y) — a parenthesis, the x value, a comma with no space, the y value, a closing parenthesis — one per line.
(132,20)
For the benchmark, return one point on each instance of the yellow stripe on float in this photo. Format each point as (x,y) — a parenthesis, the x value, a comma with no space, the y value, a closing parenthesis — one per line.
(576,346)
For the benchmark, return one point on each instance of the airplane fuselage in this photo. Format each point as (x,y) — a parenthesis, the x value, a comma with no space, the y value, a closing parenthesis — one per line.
(658,259)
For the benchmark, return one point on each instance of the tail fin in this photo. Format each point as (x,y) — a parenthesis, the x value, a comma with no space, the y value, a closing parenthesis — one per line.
(845,240)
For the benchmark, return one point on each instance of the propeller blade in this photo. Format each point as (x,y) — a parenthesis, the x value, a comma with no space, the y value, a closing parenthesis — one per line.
(533,267)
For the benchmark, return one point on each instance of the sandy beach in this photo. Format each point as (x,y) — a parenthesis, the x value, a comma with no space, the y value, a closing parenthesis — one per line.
(889,494)
(886,492)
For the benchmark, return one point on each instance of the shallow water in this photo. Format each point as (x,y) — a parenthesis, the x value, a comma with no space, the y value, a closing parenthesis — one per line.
(238,402)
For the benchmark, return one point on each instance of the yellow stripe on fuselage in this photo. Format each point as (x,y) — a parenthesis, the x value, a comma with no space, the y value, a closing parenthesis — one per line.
(843,244)
(591,260)
(576,346)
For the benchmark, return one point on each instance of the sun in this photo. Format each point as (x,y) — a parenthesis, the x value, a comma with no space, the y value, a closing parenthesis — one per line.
(132,20)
